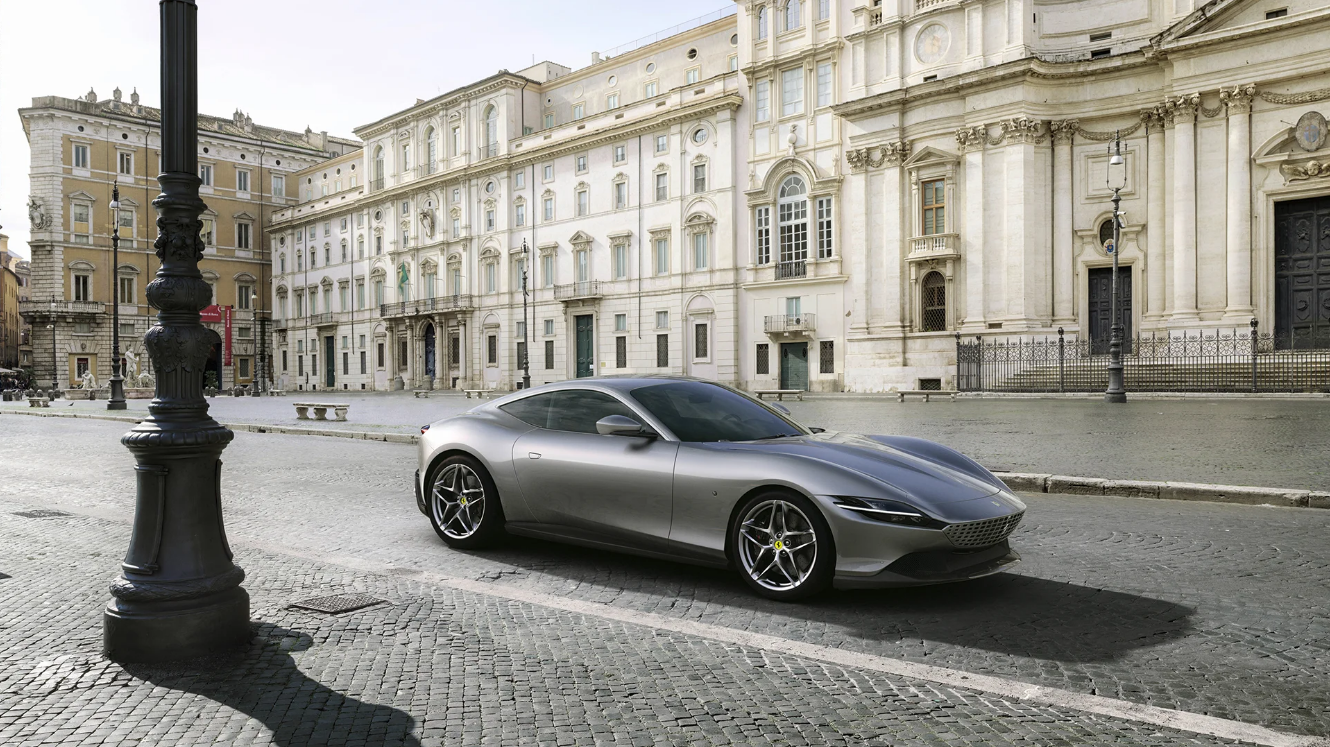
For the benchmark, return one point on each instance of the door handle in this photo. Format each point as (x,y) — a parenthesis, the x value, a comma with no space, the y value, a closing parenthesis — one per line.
(533,454)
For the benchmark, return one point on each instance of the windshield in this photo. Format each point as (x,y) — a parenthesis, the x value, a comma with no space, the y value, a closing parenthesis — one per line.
(701,411)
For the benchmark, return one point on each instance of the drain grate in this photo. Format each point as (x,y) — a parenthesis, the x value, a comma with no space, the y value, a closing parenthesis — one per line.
(338,603)
(40,513)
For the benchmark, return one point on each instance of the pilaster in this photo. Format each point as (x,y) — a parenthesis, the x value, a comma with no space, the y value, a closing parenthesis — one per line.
(1184,109)
(1239,251)
(1063,224)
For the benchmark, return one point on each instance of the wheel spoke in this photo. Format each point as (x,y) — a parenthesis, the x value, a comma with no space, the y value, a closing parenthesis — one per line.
(796,548)
(766,524)
(780,564)
(459,501)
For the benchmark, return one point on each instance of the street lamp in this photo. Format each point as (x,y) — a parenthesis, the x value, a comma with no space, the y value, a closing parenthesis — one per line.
(526,347)
(55,366)
(178,595)
(117,401)
(1116,179)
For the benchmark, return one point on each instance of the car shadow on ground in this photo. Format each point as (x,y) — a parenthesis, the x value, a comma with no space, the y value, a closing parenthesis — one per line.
(1007,613)
(264,683)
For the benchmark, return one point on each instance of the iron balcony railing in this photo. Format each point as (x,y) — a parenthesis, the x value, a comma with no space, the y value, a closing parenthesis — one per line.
(455,302)
(795,268)
(323,320)
(582,289)
(1220,360)
(61,307)
(376,184)
(489,151)
(425,169)
(788,323)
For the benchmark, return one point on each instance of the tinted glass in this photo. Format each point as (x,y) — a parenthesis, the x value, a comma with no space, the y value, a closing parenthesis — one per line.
(698,411)
(577,410)
(534,410)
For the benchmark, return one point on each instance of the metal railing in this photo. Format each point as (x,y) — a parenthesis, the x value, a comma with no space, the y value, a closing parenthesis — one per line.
(61,307)
(796,268)
(787,323)
(671,31)
(489,151)
(376,184)
(1220,360)
(455,302)
(425,169)
(323,320)
(583,289)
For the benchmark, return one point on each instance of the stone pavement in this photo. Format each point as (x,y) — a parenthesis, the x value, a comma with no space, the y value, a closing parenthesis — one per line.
(1278,443)
(1206,608)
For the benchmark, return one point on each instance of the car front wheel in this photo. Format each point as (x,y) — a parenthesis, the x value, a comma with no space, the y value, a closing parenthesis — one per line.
(464,504)
(783,546)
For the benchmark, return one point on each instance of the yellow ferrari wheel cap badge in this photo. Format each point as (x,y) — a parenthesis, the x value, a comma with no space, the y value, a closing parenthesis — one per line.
(779,545)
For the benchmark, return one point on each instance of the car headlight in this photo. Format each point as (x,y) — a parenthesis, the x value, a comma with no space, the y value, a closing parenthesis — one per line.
(891,512)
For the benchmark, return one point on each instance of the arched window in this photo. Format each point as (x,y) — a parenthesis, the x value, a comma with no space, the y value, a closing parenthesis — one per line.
(431,150)
(491,131)
(1105,232)
(792,15)
(792,223)
(934,303)
(762,23)
(378,167)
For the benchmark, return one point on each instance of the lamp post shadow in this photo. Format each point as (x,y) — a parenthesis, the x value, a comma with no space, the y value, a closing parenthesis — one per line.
(265,683)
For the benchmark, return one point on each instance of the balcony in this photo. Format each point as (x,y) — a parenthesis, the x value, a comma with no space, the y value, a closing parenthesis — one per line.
(574,291)
(425,169)
(280,325)
(934,246)
(786,324)
(43,308)
(489,151)
(376,185)
(796,268)
(326,319)
(455,302)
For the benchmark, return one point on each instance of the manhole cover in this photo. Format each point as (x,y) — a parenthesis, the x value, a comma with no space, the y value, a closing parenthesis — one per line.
(40,513)
(338,603)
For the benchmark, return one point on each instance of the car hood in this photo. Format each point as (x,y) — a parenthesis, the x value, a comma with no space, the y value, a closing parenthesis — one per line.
(916,477)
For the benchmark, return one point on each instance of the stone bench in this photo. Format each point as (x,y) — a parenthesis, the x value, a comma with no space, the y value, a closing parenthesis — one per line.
(925,393)
(780,393)
(419,393)
(320,410)
(38,402)
(480,393)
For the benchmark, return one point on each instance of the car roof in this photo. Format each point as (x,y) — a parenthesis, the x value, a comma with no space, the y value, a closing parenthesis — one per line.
(621,384)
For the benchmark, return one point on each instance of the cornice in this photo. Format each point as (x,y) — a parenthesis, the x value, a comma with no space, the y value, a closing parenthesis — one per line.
(758,67)
(443,102)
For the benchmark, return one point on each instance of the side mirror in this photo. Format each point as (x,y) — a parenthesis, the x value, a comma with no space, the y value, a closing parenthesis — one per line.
(780,407)
(620,425)
(815,429)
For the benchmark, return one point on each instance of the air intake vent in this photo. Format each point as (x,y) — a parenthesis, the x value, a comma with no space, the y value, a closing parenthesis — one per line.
(974,534)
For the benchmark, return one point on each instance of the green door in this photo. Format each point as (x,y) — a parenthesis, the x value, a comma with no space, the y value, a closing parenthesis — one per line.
(586,361)
(330,358)
(794,365)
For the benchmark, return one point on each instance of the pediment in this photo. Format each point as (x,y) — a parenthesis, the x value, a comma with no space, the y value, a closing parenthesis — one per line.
(81,196)
(928,155)
(1219,16)
(581,237)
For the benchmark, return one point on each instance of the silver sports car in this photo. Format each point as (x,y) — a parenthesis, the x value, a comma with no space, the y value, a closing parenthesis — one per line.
(695,471)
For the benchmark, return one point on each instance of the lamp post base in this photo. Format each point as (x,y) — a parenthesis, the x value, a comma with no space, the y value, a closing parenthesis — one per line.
(117,401)
(175,630)
(1115,397)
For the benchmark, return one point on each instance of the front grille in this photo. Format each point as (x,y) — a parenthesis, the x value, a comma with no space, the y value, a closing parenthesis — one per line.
(983,533)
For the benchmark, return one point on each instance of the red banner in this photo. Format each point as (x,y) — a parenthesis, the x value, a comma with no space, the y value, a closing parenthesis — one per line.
(211,314)
(226,335)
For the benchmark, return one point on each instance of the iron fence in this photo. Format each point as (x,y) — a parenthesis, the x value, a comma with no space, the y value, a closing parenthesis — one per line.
(1219,360)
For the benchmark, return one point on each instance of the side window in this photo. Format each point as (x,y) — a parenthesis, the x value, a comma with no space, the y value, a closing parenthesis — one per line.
(533,410)
(577,410)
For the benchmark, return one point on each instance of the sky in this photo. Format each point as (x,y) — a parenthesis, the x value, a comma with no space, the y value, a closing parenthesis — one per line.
(330,64)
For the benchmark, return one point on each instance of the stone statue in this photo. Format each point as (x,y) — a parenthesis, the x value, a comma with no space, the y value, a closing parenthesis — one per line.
(36,215)
(131,363)
(89,381)
(427,220)
(146,381)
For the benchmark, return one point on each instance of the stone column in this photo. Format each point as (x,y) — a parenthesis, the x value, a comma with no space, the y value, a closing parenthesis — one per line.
(1184,207)
(1023,248)
(440,353)
(971,141)
(1155,223)
(463,374)
(857,258)
(1064,312)
(1239,308)
(894,241)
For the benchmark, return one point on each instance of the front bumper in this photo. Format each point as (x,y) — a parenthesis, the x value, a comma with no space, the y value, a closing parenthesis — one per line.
(935,567)
(420,496)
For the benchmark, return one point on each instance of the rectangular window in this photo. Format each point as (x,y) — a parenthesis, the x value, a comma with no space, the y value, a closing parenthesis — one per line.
(827,356)
(579,110)
(621,352)
(583,267)
(652,87)
(699,178)
(612,101)
(794,306)
(700,342)
(80,156)
(580,162)
(126,290)
(125,163)
(519,179)
(733,63)
(823,9)
(583,202)
(662,351)
(244,332)
(620,154)
(691,76)
(278,185)
(549,121)
(791,91)
(620,195)
(205,174)
(491,277)
(244,296)
(327,226)
(547,270)
(662,256)
(344,224)
(662,320)
(620,261)
(81,223)
(662,143)
(549,208)
(763,359)
(701,250)
(662,186)
(549,354)
(823,227)
(344,296)
(345,340)
(492,350)
(763,222)
(242,181)
(935,206)
(378,292)
(379,355)
(300,365)
(242,235)
(824,84)
(362,362)
(549,327)
(284,369)
(378,241)
(549,171)
(762,100)
(489,220)
(346,364)
(620,322)
(519,217)
(401,354)
(360,296)
(82,287)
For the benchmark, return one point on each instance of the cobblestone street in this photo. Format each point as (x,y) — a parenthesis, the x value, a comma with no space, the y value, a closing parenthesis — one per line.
(1261,442)
(1205,608)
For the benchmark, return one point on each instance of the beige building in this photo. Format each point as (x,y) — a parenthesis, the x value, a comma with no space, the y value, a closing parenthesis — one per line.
(79,149)
(13,291)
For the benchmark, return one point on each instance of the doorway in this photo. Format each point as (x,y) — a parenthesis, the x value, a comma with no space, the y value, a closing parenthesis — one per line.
(329,363)
(431,367)
(1302,272)
(794,365)
(1101,307)
(585,350)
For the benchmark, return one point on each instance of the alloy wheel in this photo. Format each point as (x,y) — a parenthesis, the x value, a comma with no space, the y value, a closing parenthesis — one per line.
(777,545)
(458,501)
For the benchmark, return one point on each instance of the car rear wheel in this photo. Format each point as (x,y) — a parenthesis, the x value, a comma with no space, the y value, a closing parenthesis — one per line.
(463,504)
(783,546)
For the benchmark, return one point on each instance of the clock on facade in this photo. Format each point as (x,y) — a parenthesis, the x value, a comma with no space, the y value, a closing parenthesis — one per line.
(1310,131)
(932,43)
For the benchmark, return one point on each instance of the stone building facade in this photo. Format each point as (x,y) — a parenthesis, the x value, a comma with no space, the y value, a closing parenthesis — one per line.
(14,348)
(877,178)
(80,148)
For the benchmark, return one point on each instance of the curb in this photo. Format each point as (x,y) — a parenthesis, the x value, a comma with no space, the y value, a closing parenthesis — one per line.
(1174,491)
(1022,482)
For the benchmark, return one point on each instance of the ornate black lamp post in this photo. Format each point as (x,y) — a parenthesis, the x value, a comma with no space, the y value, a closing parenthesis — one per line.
(526,347)
(117,401)
(1116,179)
(178,595)
(55,365)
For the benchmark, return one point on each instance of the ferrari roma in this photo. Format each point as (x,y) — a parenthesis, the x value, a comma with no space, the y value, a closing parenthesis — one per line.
(695,471)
